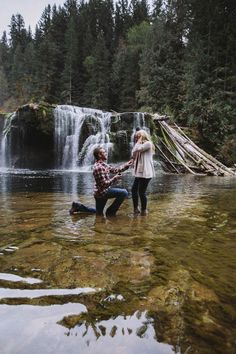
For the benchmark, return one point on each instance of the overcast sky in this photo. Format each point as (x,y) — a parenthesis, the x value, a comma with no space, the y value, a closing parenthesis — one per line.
(31,10)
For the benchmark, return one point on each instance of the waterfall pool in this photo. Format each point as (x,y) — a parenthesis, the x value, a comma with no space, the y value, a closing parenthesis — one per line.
(156,284)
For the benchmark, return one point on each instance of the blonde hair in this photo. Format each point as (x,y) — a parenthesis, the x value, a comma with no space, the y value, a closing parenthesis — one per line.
(145,137)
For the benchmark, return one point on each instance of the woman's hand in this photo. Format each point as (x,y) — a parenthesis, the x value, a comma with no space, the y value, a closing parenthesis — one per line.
(140,140)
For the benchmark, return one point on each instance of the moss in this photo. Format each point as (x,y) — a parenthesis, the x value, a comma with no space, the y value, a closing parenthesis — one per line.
(38,116)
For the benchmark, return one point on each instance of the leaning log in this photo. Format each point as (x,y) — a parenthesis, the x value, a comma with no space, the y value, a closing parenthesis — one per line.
(179,154)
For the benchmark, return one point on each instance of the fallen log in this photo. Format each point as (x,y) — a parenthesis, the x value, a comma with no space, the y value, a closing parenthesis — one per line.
(179,154)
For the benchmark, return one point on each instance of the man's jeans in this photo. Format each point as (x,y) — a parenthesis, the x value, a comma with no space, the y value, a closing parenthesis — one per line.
(78,207)
(118,193)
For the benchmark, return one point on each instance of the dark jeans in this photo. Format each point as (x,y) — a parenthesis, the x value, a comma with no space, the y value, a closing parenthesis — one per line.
(118,193)
(78,207)
(139,191)
(87,209)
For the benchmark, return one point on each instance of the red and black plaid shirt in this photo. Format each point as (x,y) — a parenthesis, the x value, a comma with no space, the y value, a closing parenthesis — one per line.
(101,173)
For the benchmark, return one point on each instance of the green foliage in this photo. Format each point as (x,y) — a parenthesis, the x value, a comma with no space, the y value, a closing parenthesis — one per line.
(96,93)
(126,70)
(70,72)
(209,102)
(161,71)
(177,59)
(3,86)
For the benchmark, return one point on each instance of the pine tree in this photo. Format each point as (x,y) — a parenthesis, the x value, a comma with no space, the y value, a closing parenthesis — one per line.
(126,70)
(210,80)
(19,76)
(3,86)
(18,33)
(123,21)
(161,71)
(97,89)
(140,11)
(70,75)
(5,53)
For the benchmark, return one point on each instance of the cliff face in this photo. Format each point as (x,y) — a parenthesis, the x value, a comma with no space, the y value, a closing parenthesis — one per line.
(31,135)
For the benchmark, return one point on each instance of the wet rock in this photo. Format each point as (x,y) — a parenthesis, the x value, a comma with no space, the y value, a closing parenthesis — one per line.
(200,292)
(31,134)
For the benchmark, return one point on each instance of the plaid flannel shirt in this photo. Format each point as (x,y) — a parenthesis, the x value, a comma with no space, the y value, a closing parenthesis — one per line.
(101,173)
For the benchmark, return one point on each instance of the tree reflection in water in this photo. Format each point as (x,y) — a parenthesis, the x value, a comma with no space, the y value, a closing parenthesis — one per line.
(138,328)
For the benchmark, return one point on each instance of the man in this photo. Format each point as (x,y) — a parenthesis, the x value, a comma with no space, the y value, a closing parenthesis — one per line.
(103,182)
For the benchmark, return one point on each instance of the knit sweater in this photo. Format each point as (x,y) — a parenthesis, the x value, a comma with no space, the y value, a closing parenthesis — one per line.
(143,160)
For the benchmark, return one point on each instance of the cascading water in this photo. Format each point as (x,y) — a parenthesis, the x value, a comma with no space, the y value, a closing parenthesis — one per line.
(138,122)
(72,124)
(3,152)
(78,131)
(5,145)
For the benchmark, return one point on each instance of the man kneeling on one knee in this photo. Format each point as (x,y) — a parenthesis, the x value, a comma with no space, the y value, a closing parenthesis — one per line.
(103,182)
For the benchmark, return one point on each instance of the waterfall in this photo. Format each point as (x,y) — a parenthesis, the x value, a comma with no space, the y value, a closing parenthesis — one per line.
(3,152)
(5,146)
(77,132)
(138,122)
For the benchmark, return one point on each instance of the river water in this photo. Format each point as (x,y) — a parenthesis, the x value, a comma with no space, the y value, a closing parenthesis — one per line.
(156,284)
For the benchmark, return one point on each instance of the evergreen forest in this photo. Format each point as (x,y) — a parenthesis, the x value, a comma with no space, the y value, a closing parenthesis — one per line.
(174,57)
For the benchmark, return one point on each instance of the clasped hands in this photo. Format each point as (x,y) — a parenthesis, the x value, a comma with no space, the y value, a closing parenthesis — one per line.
(129,163)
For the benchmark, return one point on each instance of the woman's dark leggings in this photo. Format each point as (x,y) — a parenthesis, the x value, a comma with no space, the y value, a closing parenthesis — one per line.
(139,190)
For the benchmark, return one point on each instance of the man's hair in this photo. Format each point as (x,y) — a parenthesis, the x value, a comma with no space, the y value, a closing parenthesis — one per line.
(96,152)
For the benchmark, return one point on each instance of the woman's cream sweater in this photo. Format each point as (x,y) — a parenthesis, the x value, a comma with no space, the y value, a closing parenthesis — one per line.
(143,161)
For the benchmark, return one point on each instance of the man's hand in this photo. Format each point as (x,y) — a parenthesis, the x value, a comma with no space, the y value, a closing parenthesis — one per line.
(118,176)
(130,162)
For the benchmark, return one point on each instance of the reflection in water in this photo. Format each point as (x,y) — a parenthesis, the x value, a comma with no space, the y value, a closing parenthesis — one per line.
(31,294)
(135,332)
(33,323)
(33,329)
(16,278)
(173,270)
(75,183)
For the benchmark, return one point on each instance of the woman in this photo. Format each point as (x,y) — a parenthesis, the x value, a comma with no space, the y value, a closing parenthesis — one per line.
(142,154)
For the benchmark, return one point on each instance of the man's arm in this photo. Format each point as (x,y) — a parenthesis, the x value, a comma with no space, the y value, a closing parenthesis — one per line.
(121,168)
(101,178)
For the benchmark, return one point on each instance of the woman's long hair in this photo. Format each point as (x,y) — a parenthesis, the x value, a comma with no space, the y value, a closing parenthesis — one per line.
(145,137)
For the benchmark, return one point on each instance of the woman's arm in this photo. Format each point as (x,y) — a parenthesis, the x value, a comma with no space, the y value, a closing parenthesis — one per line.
(138,147)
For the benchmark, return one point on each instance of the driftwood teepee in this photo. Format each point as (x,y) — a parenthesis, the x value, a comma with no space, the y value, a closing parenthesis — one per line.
(178,154)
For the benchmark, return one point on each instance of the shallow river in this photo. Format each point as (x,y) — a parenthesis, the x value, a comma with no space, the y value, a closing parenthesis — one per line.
(156,284)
